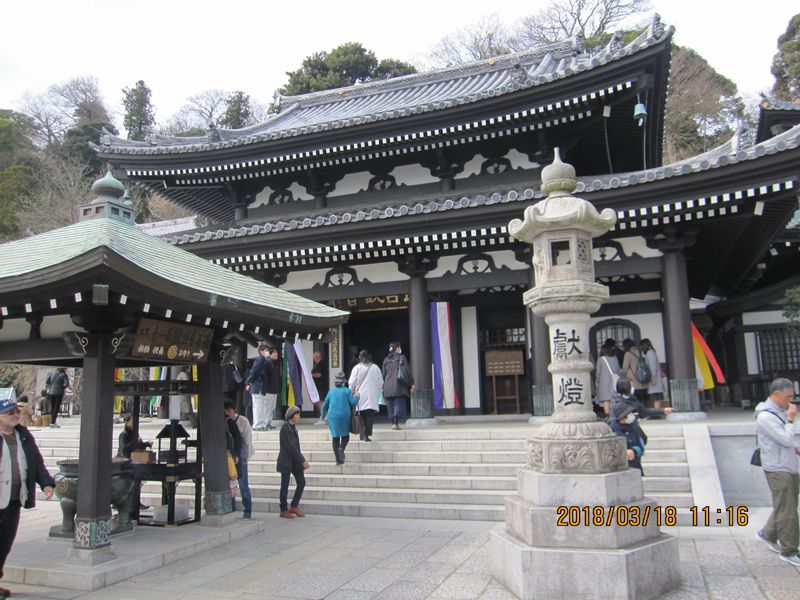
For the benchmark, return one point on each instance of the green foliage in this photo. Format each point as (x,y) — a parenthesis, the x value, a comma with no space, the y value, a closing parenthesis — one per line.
(140,116)
(703,106)
(343,66)
(8,375)
(238,112)
(786,63)
(77,146)
(791,311)
(16,184)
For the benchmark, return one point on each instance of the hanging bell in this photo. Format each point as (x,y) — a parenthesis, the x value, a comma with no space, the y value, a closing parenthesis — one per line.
(640,112)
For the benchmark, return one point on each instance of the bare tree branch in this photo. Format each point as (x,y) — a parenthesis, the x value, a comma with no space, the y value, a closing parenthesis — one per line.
(483,39)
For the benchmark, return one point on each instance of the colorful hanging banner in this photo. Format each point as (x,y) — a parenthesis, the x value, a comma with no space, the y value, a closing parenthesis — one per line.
(705,362)
(309,389)
(445,394)
(118,400)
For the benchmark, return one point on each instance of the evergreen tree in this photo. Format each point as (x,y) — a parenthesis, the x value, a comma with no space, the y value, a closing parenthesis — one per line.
(238,112)
(140,117)
(786,64)
(77,146)
(344,65)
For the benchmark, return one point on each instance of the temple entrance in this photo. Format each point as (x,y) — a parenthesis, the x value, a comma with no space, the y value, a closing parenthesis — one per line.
(504,361)
(373,331)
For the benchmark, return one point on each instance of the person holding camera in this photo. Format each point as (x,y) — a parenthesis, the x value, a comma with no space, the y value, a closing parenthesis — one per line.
(775,434)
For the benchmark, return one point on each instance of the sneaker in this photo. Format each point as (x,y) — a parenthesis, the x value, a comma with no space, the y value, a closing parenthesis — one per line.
(269,428)
(320,422)
(770,544)
(246,516)
(792,559)
(395,426)
(287,514)
(54,426)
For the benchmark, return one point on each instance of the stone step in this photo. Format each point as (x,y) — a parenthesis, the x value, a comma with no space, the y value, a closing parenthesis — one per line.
(360,454)
(406,482)
(676,499)
(661,456)
(666,484)
(665,469)
(665,443)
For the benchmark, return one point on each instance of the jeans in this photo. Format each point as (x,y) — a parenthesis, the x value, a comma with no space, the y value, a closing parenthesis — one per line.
(300,484)
(263,407)
(9,521)
(397,408)
(244,489)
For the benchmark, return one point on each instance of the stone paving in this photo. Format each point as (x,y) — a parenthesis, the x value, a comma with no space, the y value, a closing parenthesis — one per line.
(350,558)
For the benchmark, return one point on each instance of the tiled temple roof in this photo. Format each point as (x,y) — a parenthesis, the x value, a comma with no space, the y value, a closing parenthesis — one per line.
(729,153)
(399,97)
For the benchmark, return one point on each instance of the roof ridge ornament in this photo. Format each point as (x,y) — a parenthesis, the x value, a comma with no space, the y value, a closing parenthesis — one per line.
(112,201)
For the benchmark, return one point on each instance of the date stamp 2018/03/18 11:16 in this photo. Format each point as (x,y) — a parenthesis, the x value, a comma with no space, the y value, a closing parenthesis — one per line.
(640,516)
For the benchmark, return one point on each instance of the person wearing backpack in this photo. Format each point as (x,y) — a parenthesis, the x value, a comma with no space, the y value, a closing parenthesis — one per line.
(57,383)
(635,369)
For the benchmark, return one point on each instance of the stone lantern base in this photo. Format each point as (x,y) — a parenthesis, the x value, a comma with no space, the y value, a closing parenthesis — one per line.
(537,557)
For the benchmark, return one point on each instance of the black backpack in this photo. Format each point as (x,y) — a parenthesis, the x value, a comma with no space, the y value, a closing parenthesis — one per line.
(643,374)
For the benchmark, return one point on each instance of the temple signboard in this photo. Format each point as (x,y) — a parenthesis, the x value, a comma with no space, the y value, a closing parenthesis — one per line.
(172,341)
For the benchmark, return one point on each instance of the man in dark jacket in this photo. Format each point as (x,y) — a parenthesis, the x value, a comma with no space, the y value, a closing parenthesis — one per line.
(21,468)
(291,462)
(262,383)
(57,383)
(625,397)
(397,383)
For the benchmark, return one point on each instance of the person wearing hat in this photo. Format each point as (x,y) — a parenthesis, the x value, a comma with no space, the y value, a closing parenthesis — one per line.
(623,423)
(338,407)
(398,383)
(291,462)
(21,468)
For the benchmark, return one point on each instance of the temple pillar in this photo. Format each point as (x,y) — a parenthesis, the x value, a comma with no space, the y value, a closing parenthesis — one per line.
(92,541)
(419,324)
(683,392)
(217,499)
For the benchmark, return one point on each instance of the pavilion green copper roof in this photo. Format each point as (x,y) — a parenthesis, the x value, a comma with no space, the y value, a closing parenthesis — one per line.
(20,260)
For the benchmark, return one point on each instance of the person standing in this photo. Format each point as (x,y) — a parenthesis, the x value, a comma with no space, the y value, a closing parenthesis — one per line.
(630,365)
(187,407)
(262,383)
(57,383)
(607,373)
(396,388)
(623,422)
(319,373)
(21,468)
(246,452)
(655,391)
(338,407)
(775,435)
(366,382)
(291,462)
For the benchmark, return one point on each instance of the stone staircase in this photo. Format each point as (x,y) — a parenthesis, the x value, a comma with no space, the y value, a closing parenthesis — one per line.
(449,472)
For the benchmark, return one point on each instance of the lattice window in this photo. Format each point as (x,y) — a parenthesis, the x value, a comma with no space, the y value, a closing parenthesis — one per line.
(503,337)
(779,351)
(617,329)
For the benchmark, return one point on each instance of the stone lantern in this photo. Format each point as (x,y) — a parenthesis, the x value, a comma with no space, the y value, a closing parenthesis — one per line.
(577,467)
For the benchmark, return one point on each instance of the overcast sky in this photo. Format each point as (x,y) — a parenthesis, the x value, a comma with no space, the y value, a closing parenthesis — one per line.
(182,47)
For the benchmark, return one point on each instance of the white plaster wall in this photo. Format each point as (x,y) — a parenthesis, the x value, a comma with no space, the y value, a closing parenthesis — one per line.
(471,168)
(502,258)
(767,317)
(413,175)
(638,245)
(351,183)
(751,352)
(376,273)
(52,326)
(470,355)
(299,192)
(519,160)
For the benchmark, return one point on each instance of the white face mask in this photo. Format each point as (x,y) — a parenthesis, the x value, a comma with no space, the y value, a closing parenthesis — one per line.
(630,418)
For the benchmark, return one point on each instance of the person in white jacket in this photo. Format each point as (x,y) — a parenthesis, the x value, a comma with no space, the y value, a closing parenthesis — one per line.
(775,434)
(366,383)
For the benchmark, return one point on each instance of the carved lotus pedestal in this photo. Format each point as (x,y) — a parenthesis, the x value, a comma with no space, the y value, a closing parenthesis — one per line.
(551,551)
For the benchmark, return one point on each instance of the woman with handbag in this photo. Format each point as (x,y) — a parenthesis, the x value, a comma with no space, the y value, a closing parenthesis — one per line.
(338,407)
(607,373)
(397,383)
(366,382)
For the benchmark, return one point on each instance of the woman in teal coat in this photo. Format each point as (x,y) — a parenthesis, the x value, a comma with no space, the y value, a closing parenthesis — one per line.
(338,406)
